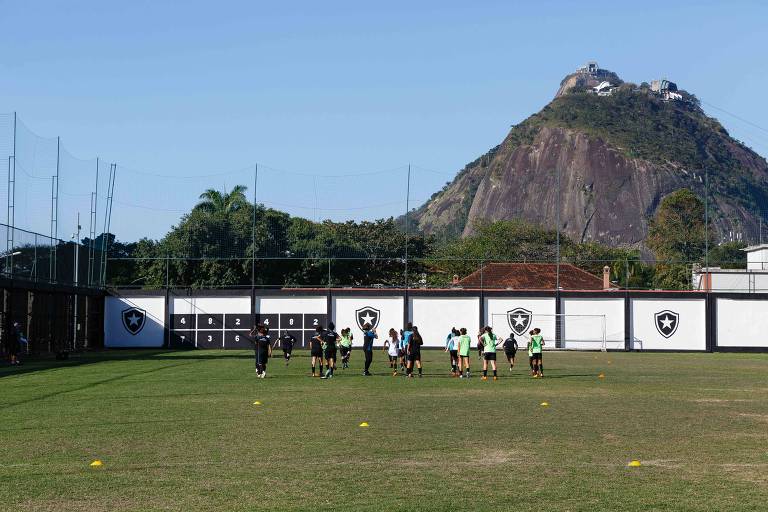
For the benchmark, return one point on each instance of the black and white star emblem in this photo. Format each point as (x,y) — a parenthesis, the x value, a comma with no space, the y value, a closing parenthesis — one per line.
(519,320)
(367,315)
(134,320)
(666,322)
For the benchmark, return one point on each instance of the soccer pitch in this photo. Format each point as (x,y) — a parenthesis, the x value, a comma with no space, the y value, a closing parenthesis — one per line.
(180,431)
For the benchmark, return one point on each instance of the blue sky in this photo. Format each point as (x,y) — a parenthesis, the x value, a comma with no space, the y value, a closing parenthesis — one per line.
(332,99)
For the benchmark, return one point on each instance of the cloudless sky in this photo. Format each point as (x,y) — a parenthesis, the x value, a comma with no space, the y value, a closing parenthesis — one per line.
(332,99)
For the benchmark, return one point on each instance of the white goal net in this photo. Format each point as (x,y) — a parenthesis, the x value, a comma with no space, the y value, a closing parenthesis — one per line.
(576,332)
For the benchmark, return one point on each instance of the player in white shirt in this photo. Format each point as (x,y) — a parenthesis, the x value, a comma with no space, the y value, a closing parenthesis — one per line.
(392,346)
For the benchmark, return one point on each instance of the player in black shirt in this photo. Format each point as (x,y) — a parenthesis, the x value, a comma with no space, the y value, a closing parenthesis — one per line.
(316,351)
(330,337)
(414,352)
(262,349)
(510,349)
(286,342)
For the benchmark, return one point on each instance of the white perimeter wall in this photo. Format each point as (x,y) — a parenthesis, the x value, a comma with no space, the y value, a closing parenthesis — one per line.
(691,329)
(435,316)
(582,329)
(151,335)
(390,315)
(742,323)
(542,308)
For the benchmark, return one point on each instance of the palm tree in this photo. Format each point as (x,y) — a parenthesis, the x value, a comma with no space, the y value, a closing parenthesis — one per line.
(215,201)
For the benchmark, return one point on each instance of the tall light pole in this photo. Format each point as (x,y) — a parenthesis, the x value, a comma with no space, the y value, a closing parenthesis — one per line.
(76,237)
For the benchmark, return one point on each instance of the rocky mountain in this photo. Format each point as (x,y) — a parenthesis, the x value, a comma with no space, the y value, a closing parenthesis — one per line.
(616,150)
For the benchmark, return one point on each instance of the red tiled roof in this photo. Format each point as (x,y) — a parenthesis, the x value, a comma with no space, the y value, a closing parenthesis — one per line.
(531,276)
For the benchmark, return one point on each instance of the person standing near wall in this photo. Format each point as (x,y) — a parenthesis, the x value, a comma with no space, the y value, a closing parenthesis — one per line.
(345,347)
(405,339)
(368,336)
(537,344)
(490,342)
(13,346)
(262,349)
(465,342)
(330,337)
(414,352)
(316,350)
(480,344)
(451,346)
(510,350)
(286,342)
(392,346)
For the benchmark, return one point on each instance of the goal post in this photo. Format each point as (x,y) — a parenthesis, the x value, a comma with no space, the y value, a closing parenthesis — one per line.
(576,332)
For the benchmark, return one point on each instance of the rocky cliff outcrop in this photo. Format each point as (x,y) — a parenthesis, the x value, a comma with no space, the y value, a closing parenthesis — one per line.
(616,158)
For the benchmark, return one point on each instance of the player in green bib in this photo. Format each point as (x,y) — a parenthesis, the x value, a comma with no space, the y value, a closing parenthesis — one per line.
(345,347)
(490,342)
(530,354)
(537,343)
(465,340)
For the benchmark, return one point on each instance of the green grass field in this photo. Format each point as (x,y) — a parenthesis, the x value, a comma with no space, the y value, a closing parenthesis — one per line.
(179,431)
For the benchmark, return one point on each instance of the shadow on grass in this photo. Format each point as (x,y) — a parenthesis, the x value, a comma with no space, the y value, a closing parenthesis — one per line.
(86,358)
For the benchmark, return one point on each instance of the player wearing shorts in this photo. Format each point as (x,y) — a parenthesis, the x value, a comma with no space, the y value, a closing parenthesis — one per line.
(369,335)
(530,354)
(392,346)
(480,344)
(490,342)
(286,342)
(316,351)
(510,350)
(537,343)
(405,338)
(414,352)
(464,347)
(345,347)
(330,337)
(262,347)
(451,342)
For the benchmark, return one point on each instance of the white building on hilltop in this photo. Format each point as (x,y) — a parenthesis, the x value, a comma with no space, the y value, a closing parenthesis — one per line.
(753,279)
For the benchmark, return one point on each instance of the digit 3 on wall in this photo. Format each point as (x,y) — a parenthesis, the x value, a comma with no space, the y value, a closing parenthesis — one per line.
(666,322)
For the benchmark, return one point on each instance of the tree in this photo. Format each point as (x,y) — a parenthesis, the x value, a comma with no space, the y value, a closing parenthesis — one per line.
(677,237)
(728,255)
(222,202)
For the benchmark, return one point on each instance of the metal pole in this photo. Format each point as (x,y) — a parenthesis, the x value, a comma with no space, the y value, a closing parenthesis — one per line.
(253,229)
(407,207)
(557,221)
(706,222)
(75,279)
(55,227)
(52,249)
(11,203)
(94,222)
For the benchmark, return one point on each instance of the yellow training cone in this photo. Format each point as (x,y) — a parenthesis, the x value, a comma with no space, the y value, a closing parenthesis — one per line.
(96,464)
(256,403)
(545,404)
(364,424)
(634,464)
(601,376)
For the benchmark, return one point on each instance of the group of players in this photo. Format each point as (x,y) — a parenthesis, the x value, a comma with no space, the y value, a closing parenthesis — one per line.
(403,349)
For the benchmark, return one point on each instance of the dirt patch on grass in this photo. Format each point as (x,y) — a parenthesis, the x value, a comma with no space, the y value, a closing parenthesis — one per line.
(720,400)
(754,416)
(664,463)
